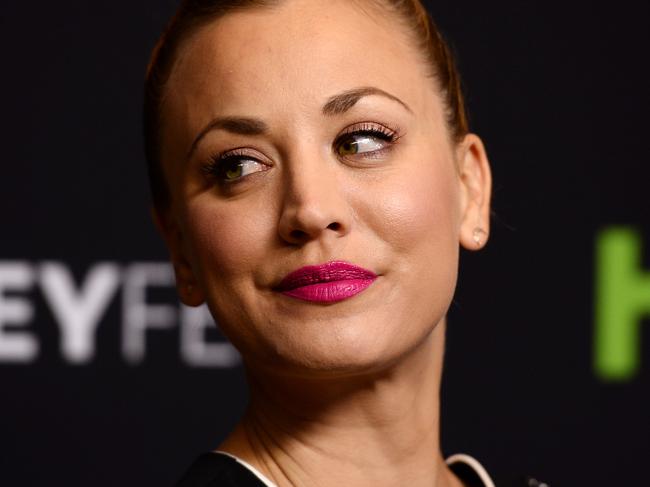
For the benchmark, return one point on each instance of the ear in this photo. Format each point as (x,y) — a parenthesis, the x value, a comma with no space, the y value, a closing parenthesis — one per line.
(476,189)
(187,287)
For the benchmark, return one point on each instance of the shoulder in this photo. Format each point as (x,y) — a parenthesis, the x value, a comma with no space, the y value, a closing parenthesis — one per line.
(218,470)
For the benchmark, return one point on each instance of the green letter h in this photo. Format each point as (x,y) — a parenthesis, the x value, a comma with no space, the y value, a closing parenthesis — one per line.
(622,299)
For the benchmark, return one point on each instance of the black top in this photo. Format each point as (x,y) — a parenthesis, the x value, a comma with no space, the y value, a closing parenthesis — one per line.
(218,470)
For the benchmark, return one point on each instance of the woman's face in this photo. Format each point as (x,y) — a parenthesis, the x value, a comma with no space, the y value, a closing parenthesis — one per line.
(304,134)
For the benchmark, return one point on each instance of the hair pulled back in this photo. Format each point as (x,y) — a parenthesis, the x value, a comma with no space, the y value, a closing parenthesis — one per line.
(194,14)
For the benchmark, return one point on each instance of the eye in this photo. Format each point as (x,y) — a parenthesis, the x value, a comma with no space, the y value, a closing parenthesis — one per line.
(233,166)
(364,139)
(356,144)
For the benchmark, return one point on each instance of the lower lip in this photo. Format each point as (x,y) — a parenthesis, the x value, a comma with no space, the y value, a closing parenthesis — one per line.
(329,292)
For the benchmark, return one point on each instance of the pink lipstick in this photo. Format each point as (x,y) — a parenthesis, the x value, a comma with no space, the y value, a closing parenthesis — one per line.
(326,283)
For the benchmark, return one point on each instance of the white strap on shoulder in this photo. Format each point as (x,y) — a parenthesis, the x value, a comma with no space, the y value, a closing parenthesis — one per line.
(474,464)
(256,472)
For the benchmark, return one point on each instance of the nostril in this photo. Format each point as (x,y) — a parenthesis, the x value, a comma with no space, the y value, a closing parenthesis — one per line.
(298,234)
(334,226)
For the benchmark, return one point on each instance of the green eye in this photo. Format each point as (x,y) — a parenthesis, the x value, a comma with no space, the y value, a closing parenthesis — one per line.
(238,168)
(348,148)
(235,172)
(360,143)
(232,168)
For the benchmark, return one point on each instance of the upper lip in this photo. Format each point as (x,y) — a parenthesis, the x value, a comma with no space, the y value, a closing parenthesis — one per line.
(329,271)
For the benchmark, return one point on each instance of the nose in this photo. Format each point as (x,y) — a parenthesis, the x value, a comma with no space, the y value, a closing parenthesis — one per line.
(314,204)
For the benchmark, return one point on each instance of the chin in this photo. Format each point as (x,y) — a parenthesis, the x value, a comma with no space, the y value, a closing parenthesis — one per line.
(343,347)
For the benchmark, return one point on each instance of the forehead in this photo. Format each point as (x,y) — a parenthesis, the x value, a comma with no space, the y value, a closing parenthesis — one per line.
(289,58)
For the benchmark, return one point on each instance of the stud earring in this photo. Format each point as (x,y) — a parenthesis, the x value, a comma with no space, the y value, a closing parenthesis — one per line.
(476,236)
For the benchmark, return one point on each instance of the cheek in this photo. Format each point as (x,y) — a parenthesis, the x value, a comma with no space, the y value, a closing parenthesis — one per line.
(226,241)
(414,219)
(418,212)
(417,222)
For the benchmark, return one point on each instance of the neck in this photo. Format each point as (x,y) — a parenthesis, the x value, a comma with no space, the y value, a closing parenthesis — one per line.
(378,429)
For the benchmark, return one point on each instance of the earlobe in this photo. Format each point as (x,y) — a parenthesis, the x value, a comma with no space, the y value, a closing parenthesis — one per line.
(186,284)
(189,294)
(476,187)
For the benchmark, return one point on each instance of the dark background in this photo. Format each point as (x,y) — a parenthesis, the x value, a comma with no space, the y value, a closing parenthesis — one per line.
(559,93)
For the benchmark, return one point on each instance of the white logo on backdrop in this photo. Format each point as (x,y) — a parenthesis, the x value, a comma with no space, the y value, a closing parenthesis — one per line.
(78,310)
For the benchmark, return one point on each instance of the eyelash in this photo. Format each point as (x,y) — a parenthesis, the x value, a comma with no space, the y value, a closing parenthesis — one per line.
(218,164)
(368,129)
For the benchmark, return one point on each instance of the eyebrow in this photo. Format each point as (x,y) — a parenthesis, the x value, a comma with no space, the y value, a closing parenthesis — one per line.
(335,105)
(235,125)
(342,102)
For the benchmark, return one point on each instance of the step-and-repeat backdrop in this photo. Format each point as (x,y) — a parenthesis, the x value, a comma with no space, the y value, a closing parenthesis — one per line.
(106,380)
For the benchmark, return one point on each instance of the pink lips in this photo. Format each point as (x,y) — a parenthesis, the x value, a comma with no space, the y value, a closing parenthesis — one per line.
(326,283)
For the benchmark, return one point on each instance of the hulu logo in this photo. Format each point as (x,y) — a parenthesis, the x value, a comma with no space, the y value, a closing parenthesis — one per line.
(622,301)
